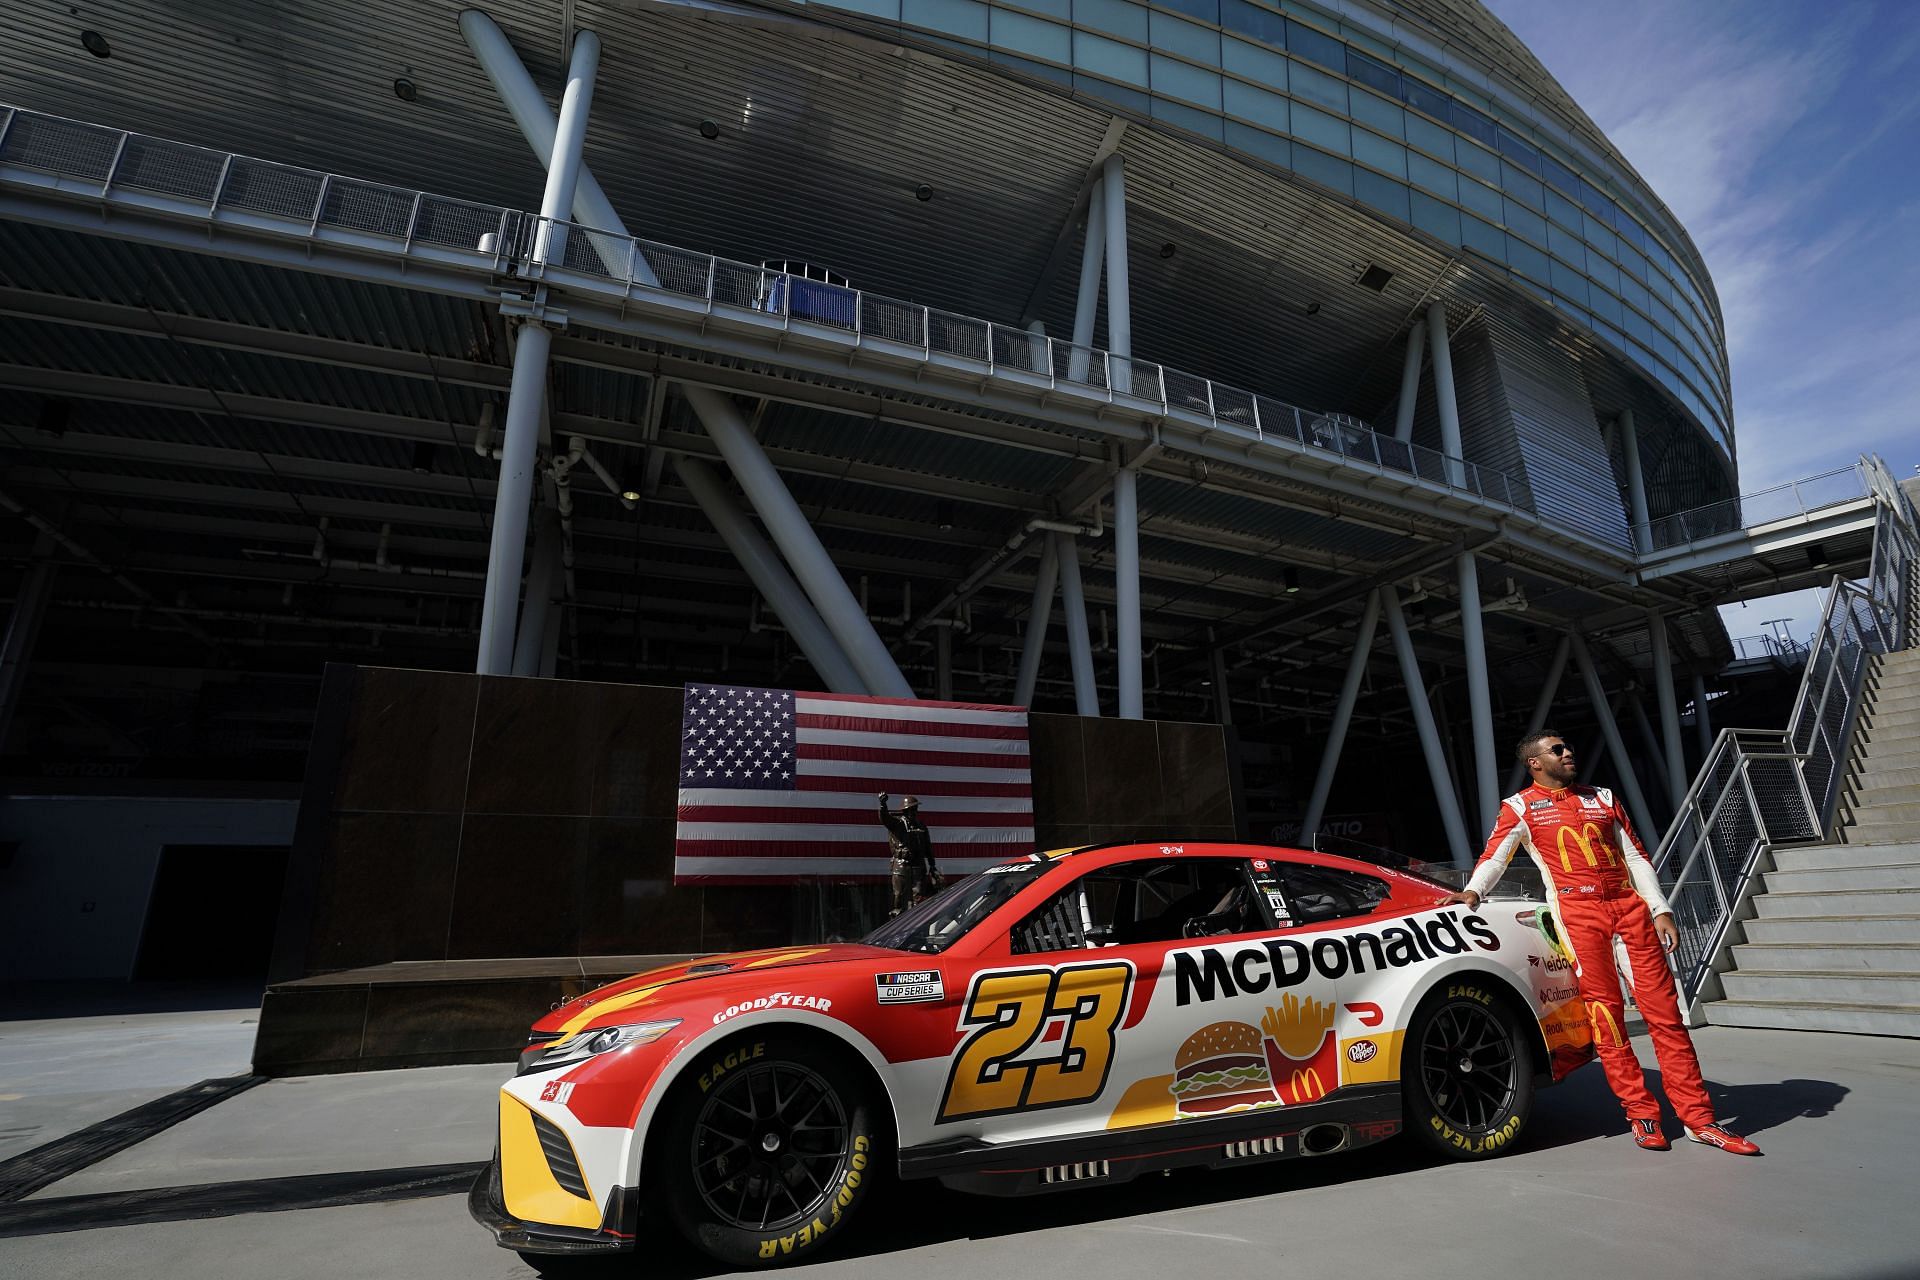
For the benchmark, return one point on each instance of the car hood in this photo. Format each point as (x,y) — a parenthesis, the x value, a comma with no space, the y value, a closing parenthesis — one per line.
(645,992)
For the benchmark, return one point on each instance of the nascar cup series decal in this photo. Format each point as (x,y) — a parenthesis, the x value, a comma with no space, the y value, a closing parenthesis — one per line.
(909,988)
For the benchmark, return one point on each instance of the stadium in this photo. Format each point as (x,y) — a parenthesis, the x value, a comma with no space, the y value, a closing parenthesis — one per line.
(1191,362)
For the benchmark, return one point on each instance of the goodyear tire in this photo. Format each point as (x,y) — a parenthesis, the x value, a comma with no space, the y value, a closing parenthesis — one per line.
(1467,1071)
(769,1149)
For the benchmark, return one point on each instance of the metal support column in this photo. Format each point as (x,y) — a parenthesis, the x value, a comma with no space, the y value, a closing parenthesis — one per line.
(527,401)
(23,629)
(1429,735)
(770,577)
(757,476)
(1610,729)
(1087,301)
(1410,381)
(1486,761)
(1443,392)
(1222,697)
(1650,742)
(787,526)
(1039,618)
(1342,718)
(1086,698)
(1669,707)
(530,639)
(1113,179)
(1549,687)
(507,551)
(1636,484)
(943,662)
(1126,590)
(1702,721)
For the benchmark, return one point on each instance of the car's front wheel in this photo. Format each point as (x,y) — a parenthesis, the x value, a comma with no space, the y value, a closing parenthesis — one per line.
(1467,1071)
(769,1148)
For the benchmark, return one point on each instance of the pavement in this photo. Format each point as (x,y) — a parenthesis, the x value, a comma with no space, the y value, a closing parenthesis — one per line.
(363,1175)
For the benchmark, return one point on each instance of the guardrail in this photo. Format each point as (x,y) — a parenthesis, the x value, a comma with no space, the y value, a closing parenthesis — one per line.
(265,197)
(1795,498)
(1749,648)
(1760,787)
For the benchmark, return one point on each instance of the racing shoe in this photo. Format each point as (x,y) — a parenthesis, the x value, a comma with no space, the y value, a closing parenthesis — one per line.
(1725,1139)
(1647,1136)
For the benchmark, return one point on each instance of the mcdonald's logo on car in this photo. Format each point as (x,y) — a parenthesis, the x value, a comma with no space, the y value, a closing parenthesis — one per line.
(1306,1085)
(1594,844)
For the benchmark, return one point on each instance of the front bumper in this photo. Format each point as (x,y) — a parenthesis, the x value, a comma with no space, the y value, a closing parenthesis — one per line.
(487,1205)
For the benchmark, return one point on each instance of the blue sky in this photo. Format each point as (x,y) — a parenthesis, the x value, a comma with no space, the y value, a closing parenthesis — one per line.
(1786,139)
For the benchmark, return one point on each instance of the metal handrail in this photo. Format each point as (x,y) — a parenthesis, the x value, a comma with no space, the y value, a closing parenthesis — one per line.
(1800,497)
(277,199)
(1760,787)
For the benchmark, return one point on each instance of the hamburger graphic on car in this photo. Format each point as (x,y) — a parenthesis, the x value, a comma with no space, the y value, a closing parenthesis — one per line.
(1221,1067)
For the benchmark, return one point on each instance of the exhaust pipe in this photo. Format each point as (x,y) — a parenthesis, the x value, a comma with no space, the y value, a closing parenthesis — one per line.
(1324,1139)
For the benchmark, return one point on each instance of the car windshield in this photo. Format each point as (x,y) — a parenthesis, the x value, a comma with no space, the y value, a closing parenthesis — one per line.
(944,919)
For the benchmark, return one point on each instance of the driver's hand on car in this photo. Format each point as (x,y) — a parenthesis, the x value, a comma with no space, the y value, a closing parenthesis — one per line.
(1465,896)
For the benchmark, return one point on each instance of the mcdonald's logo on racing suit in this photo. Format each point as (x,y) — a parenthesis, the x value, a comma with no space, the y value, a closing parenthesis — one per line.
(1599,884)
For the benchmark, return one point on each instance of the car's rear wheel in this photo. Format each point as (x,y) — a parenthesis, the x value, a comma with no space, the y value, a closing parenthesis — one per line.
(769,1150)
(1467,1071)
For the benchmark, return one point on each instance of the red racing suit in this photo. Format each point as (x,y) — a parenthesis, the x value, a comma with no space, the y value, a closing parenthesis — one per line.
(1600,884)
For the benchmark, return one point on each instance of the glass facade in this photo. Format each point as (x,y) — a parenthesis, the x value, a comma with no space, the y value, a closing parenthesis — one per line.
(1299,90)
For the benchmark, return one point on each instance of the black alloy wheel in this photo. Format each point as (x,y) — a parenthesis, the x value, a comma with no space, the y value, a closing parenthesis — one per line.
(1467,1073)
(767,1148)
(769,1145)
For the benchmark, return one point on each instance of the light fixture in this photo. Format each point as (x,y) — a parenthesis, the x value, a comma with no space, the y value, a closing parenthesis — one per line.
(1168,249)
(96,44)
(423,457)
(709,130)
(943,514)
(1290,578)
(1817,555)
(405,89)
(629,495)
(923,193)
(1313,308)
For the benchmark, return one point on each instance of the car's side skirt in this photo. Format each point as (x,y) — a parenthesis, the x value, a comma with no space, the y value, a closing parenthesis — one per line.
(1356,1116)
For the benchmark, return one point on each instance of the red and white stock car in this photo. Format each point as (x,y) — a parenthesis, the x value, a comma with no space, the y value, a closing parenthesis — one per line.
(1071,1019)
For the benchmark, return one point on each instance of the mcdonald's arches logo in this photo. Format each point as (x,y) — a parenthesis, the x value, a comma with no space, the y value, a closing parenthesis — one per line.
(1594,844)
(1606,1031)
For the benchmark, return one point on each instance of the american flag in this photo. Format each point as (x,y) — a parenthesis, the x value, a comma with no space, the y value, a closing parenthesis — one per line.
(777,785)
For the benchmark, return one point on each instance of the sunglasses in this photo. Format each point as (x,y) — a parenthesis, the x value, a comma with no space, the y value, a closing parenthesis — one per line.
(1557,749)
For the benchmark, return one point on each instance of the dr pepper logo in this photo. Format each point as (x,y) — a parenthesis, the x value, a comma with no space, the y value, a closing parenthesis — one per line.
(1362,1051)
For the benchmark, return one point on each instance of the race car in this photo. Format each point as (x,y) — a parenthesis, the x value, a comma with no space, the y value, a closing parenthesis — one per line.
(1075,1018)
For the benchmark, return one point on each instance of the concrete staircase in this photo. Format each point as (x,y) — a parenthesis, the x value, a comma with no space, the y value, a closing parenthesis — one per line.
(1834,944)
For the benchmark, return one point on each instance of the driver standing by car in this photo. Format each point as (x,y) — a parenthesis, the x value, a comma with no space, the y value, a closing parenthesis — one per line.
(914,875)
(1600,885)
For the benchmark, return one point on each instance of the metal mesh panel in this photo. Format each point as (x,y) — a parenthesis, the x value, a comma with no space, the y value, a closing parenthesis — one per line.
(1429,465)
(1233,407)
(684,272)
(455,223)
(61,146)
(581,251)
(367,206)
(1776,789)
(1281,420)
(892,319)
(1085,365)
(276,189)
(1696,913)
(148,164)
(1185,391)
(1136,377)
(1396,455)
(1018,349)
(957,335)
